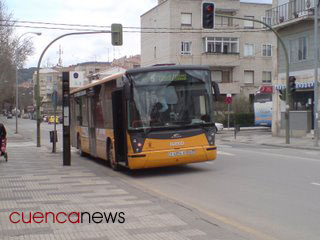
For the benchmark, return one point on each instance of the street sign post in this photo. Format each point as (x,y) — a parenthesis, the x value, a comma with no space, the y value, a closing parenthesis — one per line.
(228,101)
(66,119)
(54,104)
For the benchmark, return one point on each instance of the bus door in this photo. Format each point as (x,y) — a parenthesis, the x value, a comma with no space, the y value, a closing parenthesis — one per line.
(119,126)
(92,129)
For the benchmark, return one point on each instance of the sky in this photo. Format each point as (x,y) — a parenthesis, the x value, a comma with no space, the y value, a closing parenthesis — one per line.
(81,48)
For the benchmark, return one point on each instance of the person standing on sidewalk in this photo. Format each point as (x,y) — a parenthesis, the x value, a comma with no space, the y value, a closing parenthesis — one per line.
(3,132)
(3,136)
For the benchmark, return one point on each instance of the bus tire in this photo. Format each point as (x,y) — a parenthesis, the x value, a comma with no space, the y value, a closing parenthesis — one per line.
(114,165)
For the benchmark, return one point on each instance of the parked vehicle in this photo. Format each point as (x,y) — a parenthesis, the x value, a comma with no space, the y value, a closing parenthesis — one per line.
(45,118)
(219,126)
(51,120)
(9,116)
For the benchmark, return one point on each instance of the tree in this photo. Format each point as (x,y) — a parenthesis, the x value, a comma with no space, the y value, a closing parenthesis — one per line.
(13,53)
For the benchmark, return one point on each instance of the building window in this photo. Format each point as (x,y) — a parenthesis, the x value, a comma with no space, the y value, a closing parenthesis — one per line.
(298,49)
(249,24)
(186,19)
(186,48)
(248,77)
(267,50)
(266,77)
(223,21)
(217,76)
(248,50)
(221,76)
(221,45)
(302,50)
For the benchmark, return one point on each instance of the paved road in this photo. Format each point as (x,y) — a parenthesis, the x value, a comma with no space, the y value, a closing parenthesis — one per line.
(267,192)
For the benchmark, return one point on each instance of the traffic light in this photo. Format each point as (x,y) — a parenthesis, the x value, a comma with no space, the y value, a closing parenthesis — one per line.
(208,15)
(292,84)
(116,34)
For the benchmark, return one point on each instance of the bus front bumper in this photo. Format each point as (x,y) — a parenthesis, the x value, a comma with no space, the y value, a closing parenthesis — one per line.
(153,159)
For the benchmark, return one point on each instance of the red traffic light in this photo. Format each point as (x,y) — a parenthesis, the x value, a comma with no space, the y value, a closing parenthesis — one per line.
(208,15)
(210,8)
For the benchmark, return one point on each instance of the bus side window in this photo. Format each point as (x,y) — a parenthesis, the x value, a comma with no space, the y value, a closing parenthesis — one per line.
(84,112)
(78,112)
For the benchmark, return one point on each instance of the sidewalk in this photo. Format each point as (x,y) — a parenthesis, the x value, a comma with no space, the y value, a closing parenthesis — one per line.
(268,140)
(34,180)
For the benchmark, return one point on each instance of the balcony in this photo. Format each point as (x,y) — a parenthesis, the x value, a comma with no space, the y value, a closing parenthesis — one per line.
(293,11)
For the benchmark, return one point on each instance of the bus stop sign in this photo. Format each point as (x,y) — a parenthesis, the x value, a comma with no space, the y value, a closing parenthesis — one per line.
(228,100)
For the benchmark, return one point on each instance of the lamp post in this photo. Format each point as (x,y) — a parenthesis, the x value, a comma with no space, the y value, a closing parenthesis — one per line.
(37,86)
(17,88)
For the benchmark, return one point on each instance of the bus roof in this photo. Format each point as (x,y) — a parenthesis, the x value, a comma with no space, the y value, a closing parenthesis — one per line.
(104,80)
(139,70)
(167,67)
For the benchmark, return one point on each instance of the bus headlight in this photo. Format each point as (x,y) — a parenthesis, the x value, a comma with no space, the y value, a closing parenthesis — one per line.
(211,136)
(137,144)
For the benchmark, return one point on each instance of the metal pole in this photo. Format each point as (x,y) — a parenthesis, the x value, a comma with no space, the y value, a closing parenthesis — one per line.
(288,95)
(228,116)
(55,130)
(37,85)
(17,90)
(316,65)
(17,99)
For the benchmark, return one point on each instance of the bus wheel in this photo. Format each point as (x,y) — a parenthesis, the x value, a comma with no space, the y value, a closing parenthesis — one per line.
(111,161)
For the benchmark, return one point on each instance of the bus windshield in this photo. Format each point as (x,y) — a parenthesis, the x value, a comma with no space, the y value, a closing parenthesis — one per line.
(172,98)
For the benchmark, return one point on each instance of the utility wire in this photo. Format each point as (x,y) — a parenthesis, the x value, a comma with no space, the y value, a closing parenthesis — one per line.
(104,26)
(137,31)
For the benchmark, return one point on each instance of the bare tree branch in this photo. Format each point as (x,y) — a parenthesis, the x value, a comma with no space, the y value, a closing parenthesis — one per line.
(12,54)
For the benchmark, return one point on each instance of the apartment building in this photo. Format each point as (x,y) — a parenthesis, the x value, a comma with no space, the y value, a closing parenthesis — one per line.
(294,21)
(238,52)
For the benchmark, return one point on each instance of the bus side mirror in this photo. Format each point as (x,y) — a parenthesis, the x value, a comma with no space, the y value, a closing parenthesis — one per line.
(215,90)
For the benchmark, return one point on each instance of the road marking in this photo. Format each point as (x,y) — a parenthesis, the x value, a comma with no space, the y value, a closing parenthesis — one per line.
(317,184)
(277,155)
(225,153)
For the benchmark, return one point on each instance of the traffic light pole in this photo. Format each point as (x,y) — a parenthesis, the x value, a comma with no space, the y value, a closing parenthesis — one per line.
(316,84)
(38,78)
(288,94)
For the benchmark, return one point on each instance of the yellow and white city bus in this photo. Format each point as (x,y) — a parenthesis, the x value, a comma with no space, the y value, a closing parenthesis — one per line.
(147,117)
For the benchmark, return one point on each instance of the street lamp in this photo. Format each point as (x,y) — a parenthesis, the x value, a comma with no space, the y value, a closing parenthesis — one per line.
(17,88)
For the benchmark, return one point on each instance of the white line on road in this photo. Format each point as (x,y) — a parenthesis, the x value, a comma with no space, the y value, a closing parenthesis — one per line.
(225,153)
(275,155)
(317,184)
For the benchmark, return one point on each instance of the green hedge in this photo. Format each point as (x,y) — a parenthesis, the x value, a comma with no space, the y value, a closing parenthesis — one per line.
(242,119)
